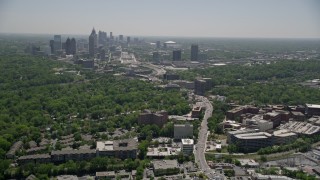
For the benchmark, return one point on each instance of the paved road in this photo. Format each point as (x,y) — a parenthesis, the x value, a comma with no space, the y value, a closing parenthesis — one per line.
(202,139)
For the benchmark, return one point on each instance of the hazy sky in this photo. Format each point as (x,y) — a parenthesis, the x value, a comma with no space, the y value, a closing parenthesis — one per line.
(208,18)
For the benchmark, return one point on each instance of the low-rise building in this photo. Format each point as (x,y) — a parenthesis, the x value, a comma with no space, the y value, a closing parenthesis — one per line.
(157,118)
(251,142)
(283,136)
(183,131)
(14,148)
(297,116)
(196,112)
(36,158)
(301,128)
(274,117)
(312,109)
(122,149)
(76,155)
(187,146)
(165,167)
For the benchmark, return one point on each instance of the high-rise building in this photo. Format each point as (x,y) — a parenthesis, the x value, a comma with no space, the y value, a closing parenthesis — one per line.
(111,36)
(57,43)
(155,56)
(68,46)
(52,46)
(199,87)
(158,44)
(92,43)
(120,37)
(176,55)
(73,47)
(102,38)
(183,131)
(128,39)
(194,52)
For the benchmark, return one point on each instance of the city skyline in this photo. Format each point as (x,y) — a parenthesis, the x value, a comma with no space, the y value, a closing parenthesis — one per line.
(271,19)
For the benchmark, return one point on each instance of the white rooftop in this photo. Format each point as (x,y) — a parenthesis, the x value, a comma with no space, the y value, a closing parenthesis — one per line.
(313,106)
(187,141)
(104,145)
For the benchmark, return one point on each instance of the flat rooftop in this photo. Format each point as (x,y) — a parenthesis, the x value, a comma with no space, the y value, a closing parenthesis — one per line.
(165,164)
(258,135)
(187,141)
(104,145)
(317,106)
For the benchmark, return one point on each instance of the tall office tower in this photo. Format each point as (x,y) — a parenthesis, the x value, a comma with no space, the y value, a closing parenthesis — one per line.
(111,36)
(199,87)
(135,40)
(57,43)
(158,44)
(120,37)
(52,46)
(92,42)
(128,39)
(194,52)
(176,55)
(102,38)
(155,56)
(68,46)
(102,54)
(73,46)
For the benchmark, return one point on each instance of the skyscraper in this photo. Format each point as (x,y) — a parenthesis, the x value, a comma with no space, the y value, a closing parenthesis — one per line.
(158,44)
(68,46)
(92,42)
(111,36)
(73,48)
(57,43)
(128,39)
(52,46)
(176,55)
(102,38)
(120,37)
(194,52)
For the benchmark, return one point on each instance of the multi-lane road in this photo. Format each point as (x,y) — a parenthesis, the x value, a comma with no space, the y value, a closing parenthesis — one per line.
(199,151)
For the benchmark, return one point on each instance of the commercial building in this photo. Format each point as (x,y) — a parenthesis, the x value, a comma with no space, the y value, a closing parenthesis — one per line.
(68,46)
(194,52)
(57,43)
(102,38)
(238,111)
(165,167)
(312,109)
(185,84)
(158,118)
(122,149)
(167,76)
(86,63)
(283,137)
(187,146)
(120,37)
(196,112)
(128,39)
(251,142)
(274,117)
(171,86)
(92,43)
(155,56)
(183,131)
(73,46)
(158,44)
(298,116)
(301,128)
(199,87)
(176,55)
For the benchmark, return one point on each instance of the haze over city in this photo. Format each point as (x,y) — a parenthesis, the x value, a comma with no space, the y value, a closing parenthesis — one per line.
(205,18)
